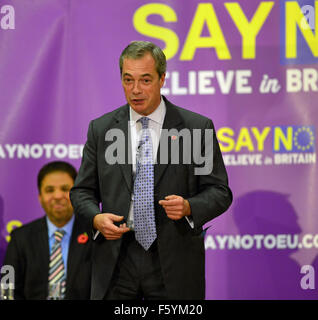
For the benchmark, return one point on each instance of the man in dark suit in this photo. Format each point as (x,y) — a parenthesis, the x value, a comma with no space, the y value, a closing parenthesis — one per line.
(30,249)
(149,242)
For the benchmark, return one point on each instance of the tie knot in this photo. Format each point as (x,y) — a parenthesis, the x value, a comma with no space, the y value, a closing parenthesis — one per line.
(58,235)
(144,122)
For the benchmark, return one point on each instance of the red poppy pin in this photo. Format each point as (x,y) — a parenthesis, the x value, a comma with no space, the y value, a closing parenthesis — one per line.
(82,238)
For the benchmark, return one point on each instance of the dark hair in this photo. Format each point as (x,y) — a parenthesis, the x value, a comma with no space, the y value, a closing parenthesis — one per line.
(138,49)
(53,167)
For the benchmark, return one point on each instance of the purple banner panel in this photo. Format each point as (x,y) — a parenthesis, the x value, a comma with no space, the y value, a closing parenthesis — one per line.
(250,66)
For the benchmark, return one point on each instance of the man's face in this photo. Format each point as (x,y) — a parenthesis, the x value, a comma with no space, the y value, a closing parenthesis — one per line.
(54,197)
(142,84)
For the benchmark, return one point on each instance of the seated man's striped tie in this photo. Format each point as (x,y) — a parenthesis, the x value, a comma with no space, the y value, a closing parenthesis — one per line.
(57,276)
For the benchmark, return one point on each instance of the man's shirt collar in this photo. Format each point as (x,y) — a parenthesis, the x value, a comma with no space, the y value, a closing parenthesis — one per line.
(67,228)
(157,116)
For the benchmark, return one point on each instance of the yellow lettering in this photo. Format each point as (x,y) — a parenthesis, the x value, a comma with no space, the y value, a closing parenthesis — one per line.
(12,225)
(279,136)
(244,140)
(223,137)
(260,137)
(205,14)
(168,36)
(249,29)
(294,18)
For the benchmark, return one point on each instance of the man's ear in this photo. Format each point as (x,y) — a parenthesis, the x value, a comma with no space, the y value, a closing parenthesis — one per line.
(40,198)
(162,80)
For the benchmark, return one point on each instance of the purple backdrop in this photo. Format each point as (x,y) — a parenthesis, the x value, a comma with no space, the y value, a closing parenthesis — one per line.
(228,61)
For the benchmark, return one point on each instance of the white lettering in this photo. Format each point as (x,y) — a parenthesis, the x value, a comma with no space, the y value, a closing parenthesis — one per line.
(8,20)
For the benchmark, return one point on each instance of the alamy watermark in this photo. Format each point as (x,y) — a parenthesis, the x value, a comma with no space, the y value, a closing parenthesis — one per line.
(197,148)
(308,22)
(7,282)
(308,280)
(7,17)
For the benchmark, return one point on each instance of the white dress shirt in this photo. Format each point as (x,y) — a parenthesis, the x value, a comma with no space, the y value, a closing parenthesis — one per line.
(155,126)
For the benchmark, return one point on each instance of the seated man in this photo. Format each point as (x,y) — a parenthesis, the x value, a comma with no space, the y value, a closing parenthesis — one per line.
(51,255)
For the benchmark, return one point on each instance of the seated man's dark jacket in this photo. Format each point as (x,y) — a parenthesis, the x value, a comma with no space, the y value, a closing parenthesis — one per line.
(28,253)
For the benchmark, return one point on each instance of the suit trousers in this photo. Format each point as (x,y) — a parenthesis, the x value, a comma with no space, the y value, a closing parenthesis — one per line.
(137,274)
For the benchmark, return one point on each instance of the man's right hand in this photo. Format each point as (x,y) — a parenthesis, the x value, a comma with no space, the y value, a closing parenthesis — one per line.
(104,223)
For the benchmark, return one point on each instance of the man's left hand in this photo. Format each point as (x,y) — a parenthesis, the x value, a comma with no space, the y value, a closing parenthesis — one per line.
(176,207)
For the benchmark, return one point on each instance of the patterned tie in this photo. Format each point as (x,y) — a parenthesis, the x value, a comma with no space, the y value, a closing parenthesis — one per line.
(144,212)
(56,266)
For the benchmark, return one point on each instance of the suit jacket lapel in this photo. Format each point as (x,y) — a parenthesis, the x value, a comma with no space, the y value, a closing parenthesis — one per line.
(42,243)
(74,254)
(122,119)
(172,121)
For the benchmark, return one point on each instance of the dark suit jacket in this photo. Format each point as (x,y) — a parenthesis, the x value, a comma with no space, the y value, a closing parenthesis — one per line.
(181,249)
(28,253)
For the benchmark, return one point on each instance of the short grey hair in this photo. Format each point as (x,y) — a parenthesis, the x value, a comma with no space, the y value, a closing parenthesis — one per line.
(138,49)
